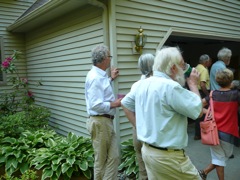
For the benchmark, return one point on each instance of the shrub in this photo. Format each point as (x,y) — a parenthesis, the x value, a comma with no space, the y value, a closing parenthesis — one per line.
(19,96)
(33,119)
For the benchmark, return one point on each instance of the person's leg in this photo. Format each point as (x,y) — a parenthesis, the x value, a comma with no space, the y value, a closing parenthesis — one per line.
(137,147)
(220,172)
(220,155)
(197,128)
(209,168)
(197,135)
(95,126)
(112,162)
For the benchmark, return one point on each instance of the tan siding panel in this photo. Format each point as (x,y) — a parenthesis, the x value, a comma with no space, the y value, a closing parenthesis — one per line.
(9,12)
(59,54)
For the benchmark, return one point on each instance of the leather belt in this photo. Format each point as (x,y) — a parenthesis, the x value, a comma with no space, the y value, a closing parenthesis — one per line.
(164,149)
(105,115)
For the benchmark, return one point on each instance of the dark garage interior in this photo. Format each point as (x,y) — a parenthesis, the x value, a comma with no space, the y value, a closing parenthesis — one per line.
(193,48)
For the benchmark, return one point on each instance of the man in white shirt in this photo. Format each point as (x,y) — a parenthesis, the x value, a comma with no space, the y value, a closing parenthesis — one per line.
(101,107)
(159,106)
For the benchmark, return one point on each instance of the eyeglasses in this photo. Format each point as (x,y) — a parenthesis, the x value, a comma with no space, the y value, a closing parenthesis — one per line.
(110,57)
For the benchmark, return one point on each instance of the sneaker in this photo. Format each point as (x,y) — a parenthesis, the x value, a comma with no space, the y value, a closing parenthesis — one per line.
(202,174)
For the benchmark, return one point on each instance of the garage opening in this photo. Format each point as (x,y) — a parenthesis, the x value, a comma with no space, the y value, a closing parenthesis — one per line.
(193,48)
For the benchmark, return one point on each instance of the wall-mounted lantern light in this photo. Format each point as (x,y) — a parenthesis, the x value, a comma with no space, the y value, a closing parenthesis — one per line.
(140,40)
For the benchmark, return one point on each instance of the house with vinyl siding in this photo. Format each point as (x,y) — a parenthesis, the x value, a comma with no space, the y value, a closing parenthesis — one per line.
(56,38)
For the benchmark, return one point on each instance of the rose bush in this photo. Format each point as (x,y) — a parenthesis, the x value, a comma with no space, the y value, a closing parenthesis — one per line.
(20,97)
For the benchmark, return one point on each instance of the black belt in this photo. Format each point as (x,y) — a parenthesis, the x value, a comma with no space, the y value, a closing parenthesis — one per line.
(105,115)
(164,149)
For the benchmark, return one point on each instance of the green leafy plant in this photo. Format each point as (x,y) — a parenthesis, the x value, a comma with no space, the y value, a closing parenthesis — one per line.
(129,164)
(20,96)
(66,156)
(35,118)
(16,153)
(28,175)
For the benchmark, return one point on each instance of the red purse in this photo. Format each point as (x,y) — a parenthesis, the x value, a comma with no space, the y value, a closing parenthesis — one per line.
(209,131)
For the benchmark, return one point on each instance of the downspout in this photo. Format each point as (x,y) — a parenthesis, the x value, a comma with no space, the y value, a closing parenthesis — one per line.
(114,61)
(105,19)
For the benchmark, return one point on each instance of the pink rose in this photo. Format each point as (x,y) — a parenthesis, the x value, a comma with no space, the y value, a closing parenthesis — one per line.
(8,59)
(29,93)
(5,64)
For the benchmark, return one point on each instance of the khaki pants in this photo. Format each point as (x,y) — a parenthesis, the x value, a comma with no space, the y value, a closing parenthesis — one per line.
(168,165)
(137,147)
(105,147)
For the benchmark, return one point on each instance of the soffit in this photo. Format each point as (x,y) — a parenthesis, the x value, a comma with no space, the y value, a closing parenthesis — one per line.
(45,13)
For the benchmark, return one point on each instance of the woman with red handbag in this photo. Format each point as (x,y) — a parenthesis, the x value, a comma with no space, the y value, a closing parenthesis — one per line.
(226,102)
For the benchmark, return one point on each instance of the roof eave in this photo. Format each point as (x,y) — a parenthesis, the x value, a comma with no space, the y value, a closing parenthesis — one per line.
(44,13)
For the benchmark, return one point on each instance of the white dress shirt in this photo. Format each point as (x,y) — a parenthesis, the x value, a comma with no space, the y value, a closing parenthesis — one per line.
(162,106)
(98,92)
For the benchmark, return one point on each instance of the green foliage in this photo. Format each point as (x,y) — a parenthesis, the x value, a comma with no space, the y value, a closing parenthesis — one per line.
(33,119)
(44,149)
(28,175)
(65,156)
(16,153)
(129,163)
(20,96)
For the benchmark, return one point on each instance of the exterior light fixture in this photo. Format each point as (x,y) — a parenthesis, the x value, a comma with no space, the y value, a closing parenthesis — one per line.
(140,40)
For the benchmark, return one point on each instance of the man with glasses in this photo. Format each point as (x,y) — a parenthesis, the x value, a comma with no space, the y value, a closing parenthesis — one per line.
(101,108)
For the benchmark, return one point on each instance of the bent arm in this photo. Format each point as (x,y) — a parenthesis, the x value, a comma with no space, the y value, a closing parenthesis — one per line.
(130,115)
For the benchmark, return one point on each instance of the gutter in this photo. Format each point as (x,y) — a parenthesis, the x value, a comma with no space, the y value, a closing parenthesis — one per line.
(105,19)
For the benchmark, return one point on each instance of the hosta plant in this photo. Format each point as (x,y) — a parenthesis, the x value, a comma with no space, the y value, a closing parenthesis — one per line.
(16,153)
(65,157)
(129,164)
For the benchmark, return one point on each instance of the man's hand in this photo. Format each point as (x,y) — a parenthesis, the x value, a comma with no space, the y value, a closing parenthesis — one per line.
(193,78)
(114,73)
(116,103)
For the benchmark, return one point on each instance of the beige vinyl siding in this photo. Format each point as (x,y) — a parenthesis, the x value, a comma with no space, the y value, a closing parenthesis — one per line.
(59,54)
(9,12)
(157,18)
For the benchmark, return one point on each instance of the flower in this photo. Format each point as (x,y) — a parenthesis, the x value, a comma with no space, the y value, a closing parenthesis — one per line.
(9,59)
(29,93)
(5,64)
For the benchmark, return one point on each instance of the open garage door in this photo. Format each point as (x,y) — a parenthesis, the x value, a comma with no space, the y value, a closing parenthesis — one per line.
(194,47)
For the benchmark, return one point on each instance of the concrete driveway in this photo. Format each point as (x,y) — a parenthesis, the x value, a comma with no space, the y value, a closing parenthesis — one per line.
(200,156)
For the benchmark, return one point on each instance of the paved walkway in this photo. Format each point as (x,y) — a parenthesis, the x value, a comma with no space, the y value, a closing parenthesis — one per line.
(200,156)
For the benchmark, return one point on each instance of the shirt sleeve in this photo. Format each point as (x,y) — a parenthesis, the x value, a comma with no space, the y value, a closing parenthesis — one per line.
(129,100)
(203,76)
(186,102)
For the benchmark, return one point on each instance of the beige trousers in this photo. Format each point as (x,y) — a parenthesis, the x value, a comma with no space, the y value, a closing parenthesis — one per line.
(137,147)
(104,141)
(168,165)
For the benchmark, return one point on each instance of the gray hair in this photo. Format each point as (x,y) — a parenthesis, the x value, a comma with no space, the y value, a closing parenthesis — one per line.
(166,58)
(99,53)
(145,63)
(204,58)
(224,54)
(235,84)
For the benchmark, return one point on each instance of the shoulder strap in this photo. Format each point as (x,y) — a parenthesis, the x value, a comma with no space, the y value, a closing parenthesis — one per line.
(211,104)
(210,111)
